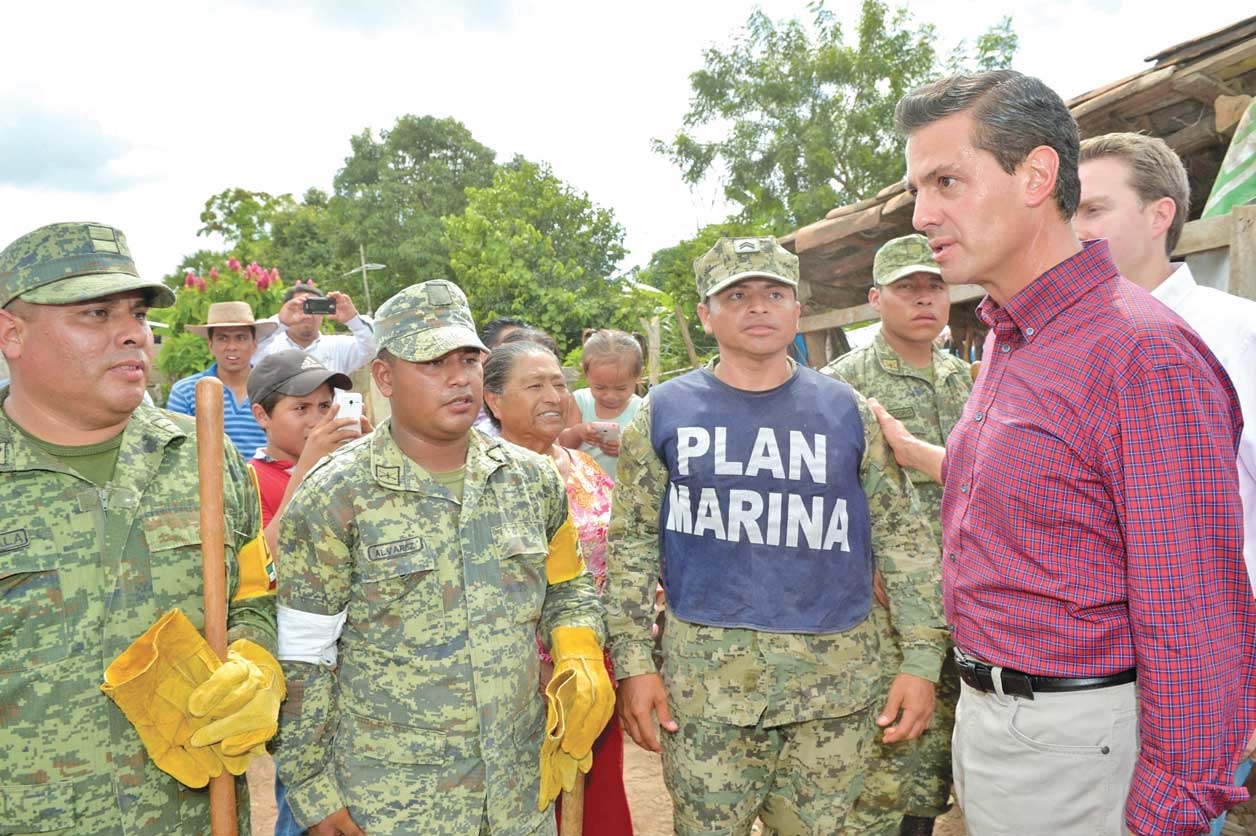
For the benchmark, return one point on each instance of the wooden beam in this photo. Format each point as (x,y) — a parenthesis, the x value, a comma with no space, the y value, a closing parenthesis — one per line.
(818,234)
(858,313)
(1243,252)
(1205,234)
(1193,137)
(1229,110)
(1201,87)
(1136,85)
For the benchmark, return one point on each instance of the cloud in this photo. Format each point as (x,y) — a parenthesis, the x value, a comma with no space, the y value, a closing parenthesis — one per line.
(41,149)
(367,15)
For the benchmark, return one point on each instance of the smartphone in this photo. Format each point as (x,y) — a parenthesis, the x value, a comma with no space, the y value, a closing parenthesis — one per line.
(318,304)
(606,430)
(350,404)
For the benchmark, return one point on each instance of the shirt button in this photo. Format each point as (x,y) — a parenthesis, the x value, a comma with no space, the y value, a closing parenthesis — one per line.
(1006,348)
(951,555)
(979,416)
(963,488)
(1029,332)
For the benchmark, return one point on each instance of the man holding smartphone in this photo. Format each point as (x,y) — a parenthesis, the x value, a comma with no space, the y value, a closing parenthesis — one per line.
(300,323)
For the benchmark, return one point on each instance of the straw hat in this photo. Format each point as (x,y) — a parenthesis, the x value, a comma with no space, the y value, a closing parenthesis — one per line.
(232,314)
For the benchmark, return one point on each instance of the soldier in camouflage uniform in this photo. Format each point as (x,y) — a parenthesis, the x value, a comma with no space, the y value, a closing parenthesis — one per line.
(99,536)
(420,562)
(762,492)
(924,388)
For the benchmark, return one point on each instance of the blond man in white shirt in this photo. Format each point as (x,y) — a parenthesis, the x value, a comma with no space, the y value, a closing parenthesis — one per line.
(1135,193)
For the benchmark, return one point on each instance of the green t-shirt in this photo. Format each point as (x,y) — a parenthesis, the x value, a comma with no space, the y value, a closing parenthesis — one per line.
(451,480)
(94,462)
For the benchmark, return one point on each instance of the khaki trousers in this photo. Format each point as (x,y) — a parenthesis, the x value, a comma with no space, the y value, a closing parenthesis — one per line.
(1056,765)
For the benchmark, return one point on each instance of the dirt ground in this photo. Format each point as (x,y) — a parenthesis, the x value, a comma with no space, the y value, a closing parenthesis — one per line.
(648,799)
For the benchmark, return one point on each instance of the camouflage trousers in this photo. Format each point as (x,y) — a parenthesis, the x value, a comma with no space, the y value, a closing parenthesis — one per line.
(913,777)
(800,779)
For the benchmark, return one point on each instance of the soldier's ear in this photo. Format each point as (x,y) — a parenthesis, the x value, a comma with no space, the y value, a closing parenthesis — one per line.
(703,313)
(381,371)
(12,334)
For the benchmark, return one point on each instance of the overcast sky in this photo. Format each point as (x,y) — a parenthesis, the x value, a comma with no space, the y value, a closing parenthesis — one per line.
(133,113)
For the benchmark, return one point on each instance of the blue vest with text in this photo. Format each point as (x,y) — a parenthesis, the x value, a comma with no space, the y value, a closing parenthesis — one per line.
(764,523)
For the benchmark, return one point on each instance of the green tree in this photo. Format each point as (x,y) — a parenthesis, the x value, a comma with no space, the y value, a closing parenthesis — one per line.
(245,220)
(531,246)
(794,121)
(391,195)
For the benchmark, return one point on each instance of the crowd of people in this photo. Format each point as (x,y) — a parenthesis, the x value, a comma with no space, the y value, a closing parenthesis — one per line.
(889,582)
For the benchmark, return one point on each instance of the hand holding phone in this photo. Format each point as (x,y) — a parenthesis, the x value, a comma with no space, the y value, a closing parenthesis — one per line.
(606,430)
(318,305)
(350,404)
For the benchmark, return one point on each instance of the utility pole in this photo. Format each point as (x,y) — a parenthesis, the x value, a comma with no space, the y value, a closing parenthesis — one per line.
(366,286)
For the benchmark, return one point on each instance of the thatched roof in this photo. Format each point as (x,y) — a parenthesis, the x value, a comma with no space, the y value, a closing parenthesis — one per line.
(1186,98)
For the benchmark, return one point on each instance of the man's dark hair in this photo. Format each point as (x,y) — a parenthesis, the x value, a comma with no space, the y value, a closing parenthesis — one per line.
(533,335)
(495,326)
(499,365)
(299,288)
(1012,115)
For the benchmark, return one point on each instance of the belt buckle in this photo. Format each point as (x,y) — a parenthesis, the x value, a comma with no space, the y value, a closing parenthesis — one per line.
(1014,683)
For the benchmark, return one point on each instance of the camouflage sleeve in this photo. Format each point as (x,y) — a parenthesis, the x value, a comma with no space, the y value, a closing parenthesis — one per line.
(906,553)
(573,602)
(315,572)
(632,554)
(251,611)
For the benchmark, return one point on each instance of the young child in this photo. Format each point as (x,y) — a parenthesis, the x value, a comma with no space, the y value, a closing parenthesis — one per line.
(612,364)
(293,400)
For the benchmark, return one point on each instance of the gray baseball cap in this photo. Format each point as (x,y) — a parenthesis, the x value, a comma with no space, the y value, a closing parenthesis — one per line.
(734,259)
(900,257)
(65,263)
(426,321)
(291,372)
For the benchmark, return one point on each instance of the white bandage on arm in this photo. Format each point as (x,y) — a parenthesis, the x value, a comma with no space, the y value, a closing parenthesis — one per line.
(309,637)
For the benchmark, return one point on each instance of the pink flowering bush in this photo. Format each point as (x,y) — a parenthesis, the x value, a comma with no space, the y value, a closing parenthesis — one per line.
(182,353)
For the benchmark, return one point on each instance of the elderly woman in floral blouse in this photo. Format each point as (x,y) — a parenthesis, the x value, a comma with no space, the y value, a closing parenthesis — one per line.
(525,394)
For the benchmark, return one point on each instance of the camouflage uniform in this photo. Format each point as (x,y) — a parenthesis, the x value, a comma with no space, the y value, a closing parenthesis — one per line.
(737,692)
(433,721)
(84,571)
(912,777)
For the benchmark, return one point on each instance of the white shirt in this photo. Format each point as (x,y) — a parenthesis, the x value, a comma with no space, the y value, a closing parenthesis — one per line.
(345,353)
(1228,325)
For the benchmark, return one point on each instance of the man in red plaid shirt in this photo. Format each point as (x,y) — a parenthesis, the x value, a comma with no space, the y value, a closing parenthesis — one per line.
(1092,551)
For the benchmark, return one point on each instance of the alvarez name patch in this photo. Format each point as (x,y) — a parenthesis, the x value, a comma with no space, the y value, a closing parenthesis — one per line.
(396,548)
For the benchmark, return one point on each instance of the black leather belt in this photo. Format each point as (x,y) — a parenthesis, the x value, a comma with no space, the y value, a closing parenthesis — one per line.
(979,675)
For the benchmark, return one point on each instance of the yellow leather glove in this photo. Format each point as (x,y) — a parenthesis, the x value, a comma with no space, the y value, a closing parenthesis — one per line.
(151,681)
(579,701)
(581,686)
(558,769)
(240,703)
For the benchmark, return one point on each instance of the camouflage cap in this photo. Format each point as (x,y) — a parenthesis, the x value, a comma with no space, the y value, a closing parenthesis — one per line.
(64,263)
(426,321)
(734,259)
(900,257)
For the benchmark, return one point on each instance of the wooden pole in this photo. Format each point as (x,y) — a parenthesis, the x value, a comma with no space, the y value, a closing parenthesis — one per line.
(209,456)
(684,335)
(573,809)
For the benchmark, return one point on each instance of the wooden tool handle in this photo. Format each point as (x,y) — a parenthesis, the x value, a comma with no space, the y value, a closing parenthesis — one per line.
(209,457)
(573,809)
